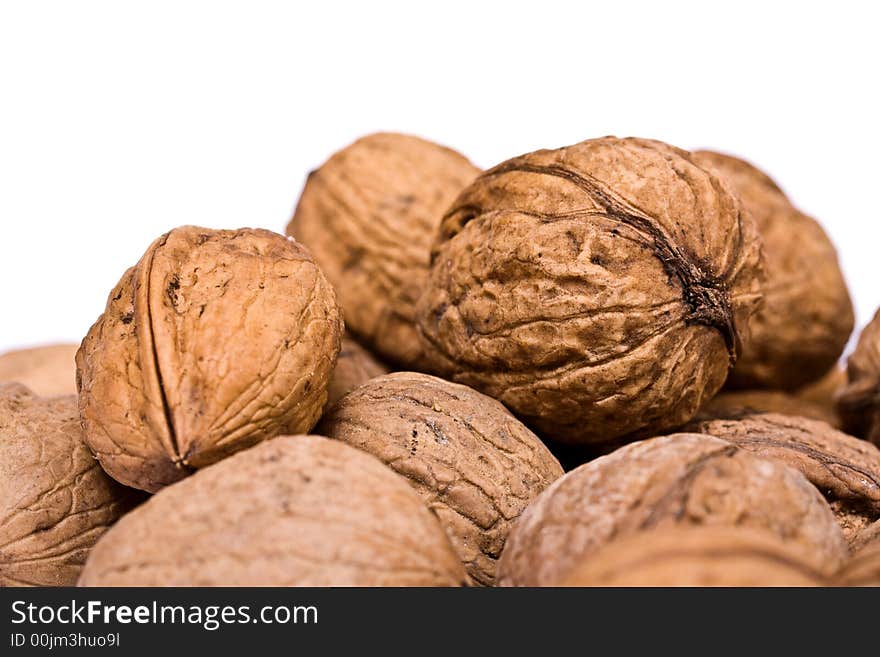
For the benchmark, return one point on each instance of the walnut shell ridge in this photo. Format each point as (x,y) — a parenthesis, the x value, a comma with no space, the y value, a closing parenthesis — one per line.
(858,403)
(596,290)
(681,479)
(49,370)
(807,316)
(846,470)
(475,465)
(354,366)
(369,215)
(55,500)
(214,341)
(698,556)
(292,511)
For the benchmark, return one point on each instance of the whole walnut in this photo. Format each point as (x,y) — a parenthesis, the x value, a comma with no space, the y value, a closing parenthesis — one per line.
(596,290)
(858,403)
(369,215)
(55,500)
(354,366)
(214,341)
(475,465)
(47,371)
(698,556)
(292,511)
(807,316)
(732,403)
(846,470)
(681,479)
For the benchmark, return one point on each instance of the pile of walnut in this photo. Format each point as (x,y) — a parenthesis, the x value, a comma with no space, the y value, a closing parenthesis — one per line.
(665,323)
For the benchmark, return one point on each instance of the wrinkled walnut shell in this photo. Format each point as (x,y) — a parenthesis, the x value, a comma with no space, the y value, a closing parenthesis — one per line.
(686,479)
(596,290)
(475,465)
(214,341)
(55,500)
(807,316)
(354,366)
(858,403)
(734,403)
(846,470)
(369,215)
(48,370)
(292,511)
(869,535)
(698,556)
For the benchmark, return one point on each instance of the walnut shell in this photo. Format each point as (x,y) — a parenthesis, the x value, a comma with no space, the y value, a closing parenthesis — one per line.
(47,371)
(807,316)
(869,535)
(698,556)
(214,341)
(292,511)
(734,403)
(369,215)
(55,500)
(687,479)
(354,366)
(858,403)
(596,290)
(824,391)
(475,465)
(862,569)
(846,470)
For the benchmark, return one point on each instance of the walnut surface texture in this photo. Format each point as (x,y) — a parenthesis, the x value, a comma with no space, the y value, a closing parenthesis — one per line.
(859,401)
(292,511)
(369,215)
(354,366)
(698,556)
(807,316)
(681,479)
(846,470)
(214,341)
(475,465)
(55,500)
(597,290)
(731,403)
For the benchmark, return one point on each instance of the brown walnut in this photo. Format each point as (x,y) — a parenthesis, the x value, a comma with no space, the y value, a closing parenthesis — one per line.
(869,535)
(47,371)
(369,216)
(681,479)
(475,465)
(846,470)
(55,500)
(596,290)
(732,403)
(807,316)
(858,403)
(292,511)
(214,341)
(698,556)
(354,366)
(863,568)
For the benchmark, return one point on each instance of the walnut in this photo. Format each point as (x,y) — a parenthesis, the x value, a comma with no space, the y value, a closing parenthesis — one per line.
(596,290)
(369,215)
(354,366)
(807,316)
(684,479)
(858,403)
(55,500)
(869,535)
(863,568)
(473,463)
(698,556)
(214,341)
(824,391)
(846,470)
(292,511)
(48,370)
(734,403)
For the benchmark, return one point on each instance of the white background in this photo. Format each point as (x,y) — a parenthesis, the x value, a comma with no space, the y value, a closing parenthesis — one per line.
(119,120)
